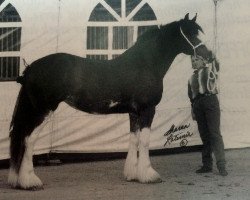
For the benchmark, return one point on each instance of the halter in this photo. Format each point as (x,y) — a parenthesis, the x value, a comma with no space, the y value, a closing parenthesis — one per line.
(189,42)
(212,75)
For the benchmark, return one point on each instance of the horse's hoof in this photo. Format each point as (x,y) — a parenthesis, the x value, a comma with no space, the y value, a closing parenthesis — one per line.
(149,176)
(36,188)
(130,174)
(31,188)
(12,178)
(131,180)
(29,182)
(152,181)
(158,180)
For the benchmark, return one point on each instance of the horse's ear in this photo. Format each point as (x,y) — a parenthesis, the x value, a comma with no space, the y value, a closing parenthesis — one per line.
(195,17)
(186,16)
(200,29)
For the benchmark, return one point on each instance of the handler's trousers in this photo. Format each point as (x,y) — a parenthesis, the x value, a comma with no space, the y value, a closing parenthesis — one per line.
(207,113)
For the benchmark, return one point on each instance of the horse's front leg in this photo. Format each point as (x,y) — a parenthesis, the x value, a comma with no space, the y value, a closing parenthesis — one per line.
(145,172)
(130,169)
(140,168)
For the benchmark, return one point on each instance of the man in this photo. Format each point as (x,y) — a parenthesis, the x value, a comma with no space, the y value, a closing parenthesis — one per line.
(202,91)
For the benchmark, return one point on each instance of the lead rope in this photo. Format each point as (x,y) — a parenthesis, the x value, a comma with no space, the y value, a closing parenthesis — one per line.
(212,77)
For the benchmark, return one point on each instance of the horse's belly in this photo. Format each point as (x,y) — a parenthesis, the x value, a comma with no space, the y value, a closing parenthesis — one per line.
(99,107)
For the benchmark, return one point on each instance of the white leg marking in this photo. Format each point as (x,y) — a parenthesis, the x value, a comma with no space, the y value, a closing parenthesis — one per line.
(145,172)
(13,177)
(130,168)
(27,178)
(113,104)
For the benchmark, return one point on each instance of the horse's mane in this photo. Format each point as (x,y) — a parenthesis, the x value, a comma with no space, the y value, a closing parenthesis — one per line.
(155,32)
(150,33)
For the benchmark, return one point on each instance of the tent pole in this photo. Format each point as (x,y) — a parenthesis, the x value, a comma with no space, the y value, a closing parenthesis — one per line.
(215,27)
(215,43)
(58,25)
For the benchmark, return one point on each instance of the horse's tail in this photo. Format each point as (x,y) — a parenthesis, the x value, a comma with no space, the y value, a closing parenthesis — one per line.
(21,79)
(17,146)
(26,117)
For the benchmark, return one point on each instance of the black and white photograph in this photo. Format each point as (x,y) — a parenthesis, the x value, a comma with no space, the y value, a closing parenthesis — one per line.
(124,99)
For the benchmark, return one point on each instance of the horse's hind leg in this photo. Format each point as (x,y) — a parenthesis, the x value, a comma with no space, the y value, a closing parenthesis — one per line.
(27,178)
(25,119)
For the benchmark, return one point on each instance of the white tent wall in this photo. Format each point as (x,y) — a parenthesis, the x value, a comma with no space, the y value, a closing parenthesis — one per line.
(50,26)
(233,50)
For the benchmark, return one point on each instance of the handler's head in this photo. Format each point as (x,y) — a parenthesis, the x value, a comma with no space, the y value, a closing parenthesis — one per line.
(197,62)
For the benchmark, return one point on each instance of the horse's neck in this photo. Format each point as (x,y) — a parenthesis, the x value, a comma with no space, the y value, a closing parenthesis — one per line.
(152,54)
(163,53)
(169,48)
(155,61)
(161,59)
(165,64)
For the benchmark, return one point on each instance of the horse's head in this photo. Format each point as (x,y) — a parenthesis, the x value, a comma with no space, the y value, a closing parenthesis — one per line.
(190,43)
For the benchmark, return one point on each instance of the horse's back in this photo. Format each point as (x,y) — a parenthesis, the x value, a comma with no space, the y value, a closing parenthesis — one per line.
(56,63)
(59,68)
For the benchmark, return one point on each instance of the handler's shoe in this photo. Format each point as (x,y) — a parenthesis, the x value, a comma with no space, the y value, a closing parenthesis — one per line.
(204,169)
(223,171)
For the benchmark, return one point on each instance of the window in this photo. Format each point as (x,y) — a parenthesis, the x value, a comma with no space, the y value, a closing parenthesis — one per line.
(10,42)
(114,26)
(122,37)
(98,38)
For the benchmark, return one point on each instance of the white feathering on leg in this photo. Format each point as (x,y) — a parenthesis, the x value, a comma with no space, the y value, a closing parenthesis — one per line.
(27,178)
(145,172)
(12,178)
(130,168)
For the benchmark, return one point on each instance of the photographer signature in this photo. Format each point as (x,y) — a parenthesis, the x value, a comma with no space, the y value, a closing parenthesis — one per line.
(178,133)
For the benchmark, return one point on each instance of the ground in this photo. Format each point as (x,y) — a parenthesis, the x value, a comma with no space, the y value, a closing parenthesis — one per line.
(104,180)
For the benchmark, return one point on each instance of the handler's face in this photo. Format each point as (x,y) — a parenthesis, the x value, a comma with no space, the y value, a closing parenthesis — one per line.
(197,62)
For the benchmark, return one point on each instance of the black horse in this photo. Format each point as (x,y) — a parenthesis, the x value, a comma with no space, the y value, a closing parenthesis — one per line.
(132,83)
